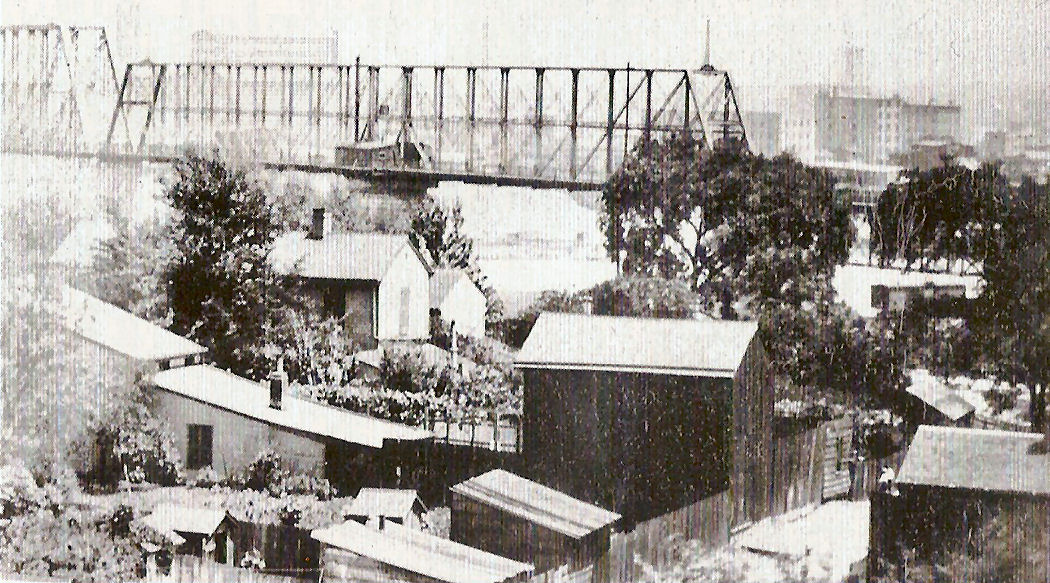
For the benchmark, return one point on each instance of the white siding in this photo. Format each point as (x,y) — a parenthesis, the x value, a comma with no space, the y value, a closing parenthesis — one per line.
(465,305)
(405,272)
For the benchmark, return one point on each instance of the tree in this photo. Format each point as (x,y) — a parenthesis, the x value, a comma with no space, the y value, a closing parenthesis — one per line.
(438,230)
(733,225)
(1012,314)
(220,286)
(938,214)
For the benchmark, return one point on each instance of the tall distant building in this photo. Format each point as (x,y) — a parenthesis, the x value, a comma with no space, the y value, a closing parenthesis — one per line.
(763,131)
(798,126)
(875,129)
(318,50)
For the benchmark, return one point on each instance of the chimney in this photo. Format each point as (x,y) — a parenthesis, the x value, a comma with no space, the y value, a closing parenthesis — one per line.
(278,380)
(454,344)
(316,225)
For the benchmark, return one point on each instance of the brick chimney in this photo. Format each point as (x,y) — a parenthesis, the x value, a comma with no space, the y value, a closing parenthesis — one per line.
(316,225)
(278,380)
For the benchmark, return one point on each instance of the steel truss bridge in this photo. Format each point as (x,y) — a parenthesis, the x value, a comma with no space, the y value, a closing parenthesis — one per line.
(541,126)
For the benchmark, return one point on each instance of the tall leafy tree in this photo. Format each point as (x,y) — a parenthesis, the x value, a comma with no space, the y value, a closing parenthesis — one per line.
(221,289)
(1012,316)
(735,226)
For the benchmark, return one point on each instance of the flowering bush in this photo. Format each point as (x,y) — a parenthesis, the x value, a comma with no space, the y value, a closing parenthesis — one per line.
(878,432)
(137,446)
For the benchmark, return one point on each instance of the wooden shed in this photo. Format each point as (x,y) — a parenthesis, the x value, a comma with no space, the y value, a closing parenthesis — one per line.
(511,516)
(203,532)
(645,415)
(379,506)
(952,482)
(353,552)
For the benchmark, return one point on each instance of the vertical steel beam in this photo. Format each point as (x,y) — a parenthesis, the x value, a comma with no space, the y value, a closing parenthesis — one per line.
(158,74)
(472,74)
(119,107)
(291,94)
(439,105)
(504,97)
(609,123)
(357,99)
(211,95)
(574,120)
(406,112)
(265,90)
(237,98)
(687,91)
(538,124)
(320,106)
(648,103)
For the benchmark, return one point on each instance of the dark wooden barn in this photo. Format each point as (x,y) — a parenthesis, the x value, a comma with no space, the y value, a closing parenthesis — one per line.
(952,483)
(645,416)
(507,515)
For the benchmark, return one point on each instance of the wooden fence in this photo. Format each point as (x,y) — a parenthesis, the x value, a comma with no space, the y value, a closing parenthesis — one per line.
(283,548)
(502,436)
(797,469)
(866,473)
(189,569)
(656,543)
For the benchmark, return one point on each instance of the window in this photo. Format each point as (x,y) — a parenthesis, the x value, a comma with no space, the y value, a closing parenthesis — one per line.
(198,452)
(406,301)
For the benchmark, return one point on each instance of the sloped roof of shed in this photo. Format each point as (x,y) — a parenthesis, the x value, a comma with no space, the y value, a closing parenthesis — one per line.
(977,459)
(120,330)
(443,282)
(384,502)
(347,256)
(942,399)
(425,554)
(167,518)
(665,346)
(536,503)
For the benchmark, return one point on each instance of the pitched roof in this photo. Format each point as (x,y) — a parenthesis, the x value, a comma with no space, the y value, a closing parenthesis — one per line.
(350,256)
(119,330)
(384,502)
(421,553)
(83,243)
(225,390)
(429,354)
(664,346)
(167,518)
(977,459)
(536,503)
(942,399)
(443,282)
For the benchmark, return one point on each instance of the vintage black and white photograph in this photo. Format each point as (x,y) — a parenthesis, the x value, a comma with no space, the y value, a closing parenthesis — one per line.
(507,291)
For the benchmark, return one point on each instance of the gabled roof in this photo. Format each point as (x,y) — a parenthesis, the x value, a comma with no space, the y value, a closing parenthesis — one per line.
(385,502)
(119,330)
(686,347)
(444,281)
(228,391)
(942,399)
(536,503)
(83,243)
(421,553)
(167,518)
(977,459)
(349,256)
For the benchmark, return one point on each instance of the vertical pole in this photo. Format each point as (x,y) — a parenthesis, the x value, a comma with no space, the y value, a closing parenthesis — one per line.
(609,123)
(504,112)
(229,81)
(725,110)
(539,123)
(291,95)
(471,95)
(237,98)
(341,92)
(439,92)
(406,111)
(574,122)
(357,98)
(320,106)
(373,113)
(627,111)
(211,96)
(265,90)
(687,91)
(648,103)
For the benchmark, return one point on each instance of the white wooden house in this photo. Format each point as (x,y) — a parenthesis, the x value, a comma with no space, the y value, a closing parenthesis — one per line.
(455,298)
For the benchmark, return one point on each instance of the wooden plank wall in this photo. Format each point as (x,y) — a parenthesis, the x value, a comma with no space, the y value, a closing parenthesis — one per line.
(797,469)
(283,548)
(654,543)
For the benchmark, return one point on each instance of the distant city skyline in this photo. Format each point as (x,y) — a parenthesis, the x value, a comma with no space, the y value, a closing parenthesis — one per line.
(992,58)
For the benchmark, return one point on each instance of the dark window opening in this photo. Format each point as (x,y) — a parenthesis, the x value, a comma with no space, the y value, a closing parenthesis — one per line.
(198,452)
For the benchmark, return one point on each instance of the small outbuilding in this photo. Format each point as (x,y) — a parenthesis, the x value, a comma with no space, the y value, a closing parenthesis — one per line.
(455,298)
(204,532)
(353,552)
(645,416)
(381,506)
(511,516)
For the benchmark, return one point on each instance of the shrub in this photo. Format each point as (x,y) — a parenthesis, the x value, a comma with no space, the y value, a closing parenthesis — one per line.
(304,484)
(264,474)
(136,446)
(1001,399)
(205,478)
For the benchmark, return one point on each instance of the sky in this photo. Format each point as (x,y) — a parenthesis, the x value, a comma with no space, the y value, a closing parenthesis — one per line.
(992,57)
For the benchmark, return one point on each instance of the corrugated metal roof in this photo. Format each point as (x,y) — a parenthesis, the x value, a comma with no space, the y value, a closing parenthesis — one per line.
(536,503)
(978,459)
(167,518)
(119,330)
(942,399)
(443,282)
(385,502)
(225,390)
(688,347)
(421,553)
(350,256)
